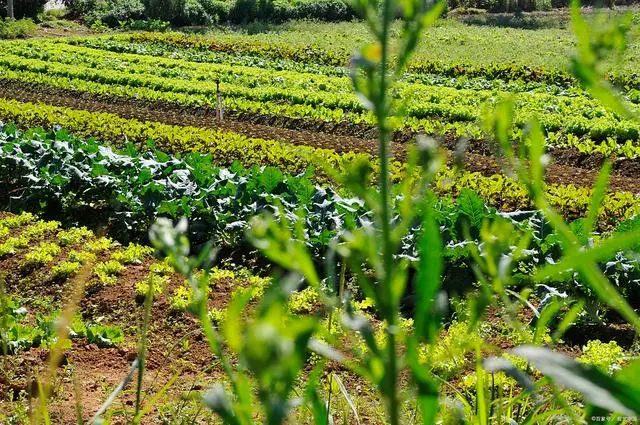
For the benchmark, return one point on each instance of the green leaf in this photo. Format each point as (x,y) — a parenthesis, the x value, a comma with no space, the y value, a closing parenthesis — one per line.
(536,154)
(217,400)
(428,398)
(472,206)
(597,388)
(495,364)
(318,407)
(569,319)
(604,250)
(346,396)
(597,197)
(428,278)
(270,178)
(98,169)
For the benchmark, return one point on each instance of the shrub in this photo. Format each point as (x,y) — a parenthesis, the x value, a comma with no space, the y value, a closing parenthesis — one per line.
(219,10)
(326,10)
(462,11)
(112,12)
(77,8)
(243,11)
(180,12)
(142,25)
(11,28)
(201,12)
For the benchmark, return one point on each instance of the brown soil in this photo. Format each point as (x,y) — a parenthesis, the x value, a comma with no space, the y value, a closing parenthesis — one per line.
(570,167)
(45,32)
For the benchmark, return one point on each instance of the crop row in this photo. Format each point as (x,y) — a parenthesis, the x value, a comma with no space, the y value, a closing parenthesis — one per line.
(569,121)
(227,147)
(256,74)
(316,55)
(58,175)
(118,45)
(36,252)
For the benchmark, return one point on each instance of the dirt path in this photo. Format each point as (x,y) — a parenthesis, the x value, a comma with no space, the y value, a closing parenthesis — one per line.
(570,167)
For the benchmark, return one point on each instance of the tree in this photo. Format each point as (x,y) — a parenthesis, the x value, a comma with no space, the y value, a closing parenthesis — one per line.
(10,13)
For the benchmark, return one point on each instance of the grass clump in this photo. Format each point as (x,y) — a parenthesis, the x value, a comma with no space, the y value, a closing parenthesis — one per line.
(20,28)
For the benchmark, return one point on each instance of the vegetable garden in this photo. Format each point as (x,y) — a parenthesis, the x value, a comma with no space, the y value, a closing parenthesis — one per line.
(198,228)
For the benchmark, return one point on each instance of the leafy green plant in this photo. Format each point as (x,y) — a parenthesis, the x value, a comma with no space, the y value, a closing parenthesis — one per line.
(181,299)
(497,190)
(447,356)
(104,336)
(65,269)
(17,334)
(305,301)
(365,246)
(576,121)
(273,345)
(107,271)
(394,242)
(99,245)
(153,282)
(74,236)
(132,254)
(82,257)
(375,247)
(606,356)
(41,255)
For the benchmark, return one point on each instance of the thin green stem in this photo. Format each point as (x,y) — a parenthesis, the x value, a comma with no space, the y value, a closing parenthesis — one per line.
(213,338)
(385,221)
(4,320)
(142,346)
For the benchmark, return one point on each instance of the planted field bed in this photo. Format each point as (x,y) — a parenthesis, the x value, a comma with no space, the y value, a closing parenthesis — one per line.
(162,69)
(126,190)
(306,98)
(159,234)
(47,265)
